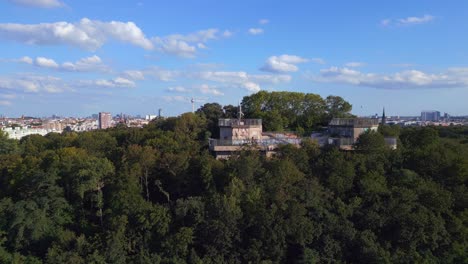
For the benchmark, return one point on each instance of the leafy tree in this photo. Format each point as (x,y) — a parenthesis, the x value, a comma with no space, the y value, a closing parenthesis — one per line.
(212,112)
(7,145)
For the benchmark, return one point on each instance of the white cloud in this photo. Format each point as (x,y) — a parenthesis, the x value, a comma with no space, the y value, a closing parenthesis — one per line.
(179,89)
(151,72)
(240,79)
(199,36)
(416,20)
(118,82)
(252,87)
(283,63)
(39,3)
(87,34)
(409,79)
(187,45)
(271,79)
(31,83)
(26,60)
(88,64)
(93,63)
(134,75)
(175,47)
(407,21)
(206,89)
(354,64)
(263,21)
(45,62)
(122,82)
(255,31)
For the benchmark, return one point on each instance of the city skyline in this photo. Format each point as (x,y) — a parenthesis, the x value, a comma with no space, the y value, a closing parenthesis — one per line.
(79,58)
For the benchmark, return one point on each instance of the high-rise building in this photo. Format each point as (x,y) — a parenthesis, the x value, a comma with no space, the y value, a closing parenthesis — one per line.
(433,116)
(104,120)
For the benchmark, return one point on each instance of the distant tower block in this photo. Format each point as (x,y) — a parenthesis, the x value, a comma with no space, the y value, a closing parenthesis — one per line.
(160,113)
(104,120)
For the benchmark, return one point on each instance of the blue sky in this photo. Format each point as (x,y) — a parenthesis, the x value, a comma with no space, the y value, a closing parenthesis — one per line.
(76,58)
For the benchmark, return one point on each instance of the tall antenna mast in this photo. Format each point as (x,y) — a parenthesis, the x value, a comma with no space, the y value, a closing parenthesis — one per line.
(193,105)
(240,112)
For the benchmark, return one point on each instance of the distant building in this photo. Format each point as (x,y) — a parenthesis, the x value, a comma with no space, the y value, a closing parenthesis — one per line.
(433,116)
(19,132)
(237,133)
(351,127)
(104,120)
(243,129)
(344,132)
(150,117)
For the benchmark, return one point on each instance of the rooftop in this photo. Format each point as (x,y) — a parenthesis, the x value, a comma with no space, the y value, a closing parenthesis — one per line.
(354,122)
(230,122)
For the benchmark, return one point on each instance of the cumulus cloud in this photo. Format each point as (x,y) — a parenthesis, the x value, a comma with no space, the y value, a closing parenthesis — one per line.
(416,20)
(249,82)
(251,87)
(118,82)
(26,60)
(92,34)
(134,75)
(87,34)
(32,83)
(410,79)
(270,79)
(154,72)
(88,64)
(187,45)
(413,20)
(206,89)
(263,21)
(93,63)
(39,3)
(283,63)
(46,63)
(255,31)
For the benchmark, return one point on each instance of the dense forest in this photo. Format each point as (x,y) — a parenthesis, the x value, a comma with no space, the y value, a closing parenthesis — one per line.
(156,194)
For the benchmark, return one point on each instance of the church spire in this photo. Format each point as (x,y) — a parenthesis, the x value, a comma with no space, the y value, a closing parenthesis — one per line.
(384,118)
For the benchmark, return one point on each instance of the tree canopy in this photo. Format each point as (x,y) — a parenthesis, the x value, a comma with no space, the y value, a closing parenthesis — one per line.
(156,195)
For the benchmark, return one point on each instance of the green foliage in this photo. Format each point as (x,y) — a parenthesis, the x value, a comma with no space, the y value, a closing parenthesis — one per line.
(156,195)
(293,110)
(7,145)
